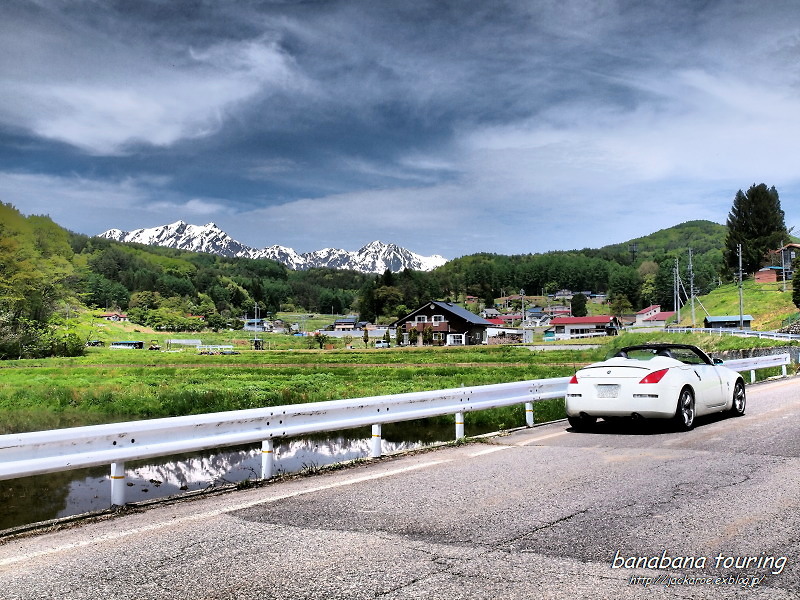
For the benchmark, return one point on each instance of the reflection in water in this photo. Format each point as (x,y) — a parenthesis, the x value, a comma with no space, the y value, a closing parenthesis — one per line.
(45,497)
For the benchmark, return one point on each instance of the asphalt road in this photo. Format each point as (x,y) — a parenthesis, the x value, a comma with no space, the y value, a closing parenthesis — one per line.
(540,513)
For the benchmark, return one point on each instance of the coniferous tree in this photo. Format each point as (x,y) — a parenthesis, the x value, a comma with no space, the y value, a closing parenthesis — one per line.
(755,221)
(578,306)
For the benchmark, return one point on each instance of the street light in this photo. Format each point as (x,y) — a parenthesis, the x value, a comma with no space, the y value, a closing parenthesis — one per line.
(522,297)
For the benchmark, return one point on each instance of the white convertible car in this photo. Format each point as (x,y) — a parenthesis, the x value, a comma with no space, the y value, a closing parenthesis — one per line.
(654,381)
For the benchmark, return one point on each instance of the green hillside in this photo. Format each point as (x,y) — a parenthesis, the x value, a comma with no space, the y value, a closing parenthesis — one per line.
(702,237)
(767,303)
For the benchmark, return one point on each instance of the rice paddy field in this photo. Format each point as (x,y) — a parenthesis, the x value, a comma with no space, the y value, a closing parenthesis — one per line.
(106,385)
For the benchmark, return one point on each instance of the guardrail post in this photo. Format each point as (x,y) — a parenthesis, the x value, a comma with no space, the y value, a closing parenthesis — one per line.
(267,459)
(376,441)
(117,484)
(783,370)
(459,425)
(529,413)
(753,376)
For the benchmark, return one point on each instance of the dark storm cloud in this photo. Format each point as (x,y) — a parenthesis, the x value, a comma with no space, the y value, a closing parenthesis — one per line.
(498,121)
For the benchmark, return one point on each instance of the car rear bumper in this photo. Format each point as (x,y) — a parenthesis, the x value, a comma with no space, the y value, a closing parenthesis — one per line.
(583,400)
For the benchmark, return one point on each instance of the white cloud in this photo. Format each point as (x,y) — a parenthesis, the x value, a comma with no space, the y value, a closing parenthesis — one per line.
(448,132)
(101,94)
(92,206)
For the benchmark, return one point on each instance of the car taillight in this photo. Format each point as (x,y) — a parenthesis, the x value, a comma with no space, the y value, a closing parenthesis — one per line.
(655,376)
(574,379)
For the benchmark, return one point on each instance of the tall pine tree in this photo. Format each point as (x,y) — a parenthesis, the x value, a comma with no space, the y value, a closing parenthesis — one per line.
(755,221)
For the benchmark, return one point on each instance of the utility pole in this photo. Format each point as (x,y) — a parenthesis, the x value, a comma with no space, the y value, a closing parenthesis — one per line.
(741,300)
(691,285)
(677,283)
(783,266)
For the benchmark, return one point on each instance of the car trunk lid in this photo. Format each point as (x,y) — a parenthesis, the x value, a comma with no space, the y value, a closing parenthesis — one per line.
(602,372)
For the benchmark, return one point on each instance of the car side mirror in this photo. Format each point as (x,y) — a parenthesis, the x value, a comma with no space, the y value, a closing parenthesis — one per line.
(717,361)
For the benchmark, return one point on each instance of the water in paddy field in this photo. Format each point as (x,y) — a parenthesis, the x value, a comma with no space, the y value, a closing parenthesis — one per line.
(44,497)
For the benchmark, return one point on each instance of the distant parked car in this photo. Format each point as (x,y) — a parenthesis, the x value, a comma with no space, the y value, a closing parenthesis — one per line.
(382,344)
(654,381)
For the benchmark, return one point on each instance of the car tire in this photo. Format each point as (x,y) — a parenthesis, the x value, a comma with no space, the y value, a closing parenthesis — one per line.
(581,423)
(684,411)
(739,401)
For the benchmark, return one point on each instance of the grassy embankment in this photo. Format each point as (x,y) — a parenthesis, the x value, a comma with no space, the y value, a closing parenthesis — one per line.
(767,303)
(143,384)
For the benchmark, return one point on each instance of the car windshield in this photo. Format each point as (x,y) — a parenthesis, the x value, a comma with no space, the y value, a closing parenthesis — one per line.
(687,355)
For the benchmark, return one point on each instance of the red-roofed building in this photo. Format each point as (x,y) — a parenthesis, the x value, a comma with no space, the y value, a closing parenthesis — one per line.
(653,316)
(660,319)
(565,328)
(648,312)
(114,316)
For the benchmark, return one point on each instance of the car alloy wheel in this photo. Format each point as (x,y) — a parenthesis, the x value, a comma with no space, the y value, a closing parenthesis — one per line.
(739,400)
(684,415)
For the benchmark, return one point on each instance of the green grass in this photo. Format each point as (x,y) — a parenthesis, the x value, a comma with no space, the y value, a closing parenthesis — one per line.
(142,384)
(124,384)
(767,303)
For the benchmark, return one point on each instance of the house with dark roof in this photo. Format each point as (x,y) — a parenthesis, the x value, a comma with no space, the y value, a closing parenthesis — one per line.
(440,323)
(727,322)
(785,257)
(345,324)
(256,325)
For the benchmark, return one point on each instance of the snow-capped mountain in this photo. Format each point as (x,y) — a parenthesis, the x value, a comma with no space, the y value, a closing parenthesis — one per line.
(207,238)
(375,257)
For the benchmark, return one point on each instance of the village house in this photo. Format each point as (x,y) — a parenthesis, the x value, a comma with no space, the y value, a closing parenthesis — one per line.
(113,316)
(653,316)
(565,328)
(345,324)
(558,310)
(446,323)
(727,322)
(257,325)
(771,275)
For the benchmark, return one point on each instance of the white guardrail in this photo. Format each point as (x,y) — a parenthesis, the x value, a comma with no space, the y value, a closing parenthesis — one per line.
(39,452)
(765,335)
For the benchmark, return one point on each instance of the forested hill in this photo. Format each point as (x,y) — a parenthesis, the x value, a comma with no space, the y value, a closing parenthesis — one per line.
(47,272)
(644,276)
(701,236)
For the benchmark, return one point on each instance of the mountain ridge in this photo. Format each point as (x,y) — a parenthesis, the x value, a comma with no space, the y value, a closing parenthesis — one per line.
(374,257)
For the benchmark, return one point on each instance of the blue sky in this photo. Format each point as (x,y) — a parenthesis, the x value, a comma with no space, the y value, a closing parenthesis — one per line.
(445,127)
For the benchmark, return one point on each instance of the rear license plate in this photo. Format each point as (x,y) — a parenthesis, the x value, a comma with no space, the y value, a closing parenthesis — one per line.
(607,391)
